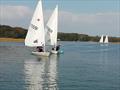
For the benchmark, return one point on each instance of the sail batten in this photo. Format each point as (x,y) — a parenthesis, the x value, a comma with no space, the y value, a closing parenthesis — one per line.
(36,34)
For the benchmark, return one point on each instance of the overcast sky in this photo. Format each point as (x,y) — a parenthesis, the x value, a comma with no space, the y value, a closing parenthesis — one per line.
(92,17)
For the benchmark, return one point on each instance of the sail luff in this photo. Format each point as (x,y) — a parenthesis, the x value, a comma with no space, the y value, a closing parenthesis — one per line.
(36,34)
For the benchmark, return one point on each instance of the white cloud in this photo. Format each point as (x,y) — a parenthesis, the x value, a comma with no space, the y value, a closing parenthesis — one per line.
(93,24)
(15,15)
(14,12)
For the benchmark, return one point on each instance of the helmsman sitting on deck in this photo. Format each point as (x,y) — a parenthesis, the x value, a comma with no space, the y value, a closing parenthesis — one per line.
(40,49)
(56,48)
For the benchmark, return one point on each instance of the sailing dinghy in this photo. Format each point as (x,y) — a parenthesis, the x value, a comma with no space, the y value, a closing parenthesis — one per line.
(106,39)
(51,30)
(101,39)
(36,33)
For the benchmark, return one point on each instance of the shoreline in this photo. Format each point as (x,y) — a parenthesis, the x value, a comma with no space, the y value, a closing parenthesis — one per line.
(22,40)
(11,40)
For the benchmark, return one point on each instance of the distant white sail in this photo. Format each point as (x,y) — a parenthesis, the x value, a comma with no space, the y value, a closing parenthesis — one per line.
(52,28)
(101,39)
(36,33)
(106,39)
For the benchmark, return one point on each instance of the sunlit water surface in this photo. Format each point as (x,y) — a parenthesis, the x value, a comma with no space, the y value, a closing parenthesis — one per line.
(82,66)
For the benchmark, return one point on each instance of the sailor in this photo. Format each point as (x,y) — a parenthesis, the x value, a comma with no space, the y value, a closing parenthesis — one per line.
(53,48)
(57,47)
(40,49)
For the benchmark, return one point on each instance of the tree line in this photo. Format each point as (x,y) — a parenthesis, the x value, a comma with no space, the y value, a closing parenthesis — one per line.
(18,32)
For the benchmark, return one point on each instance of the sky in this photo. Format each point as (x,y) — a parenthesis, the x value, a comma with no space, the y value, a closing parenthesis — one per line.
(92,17)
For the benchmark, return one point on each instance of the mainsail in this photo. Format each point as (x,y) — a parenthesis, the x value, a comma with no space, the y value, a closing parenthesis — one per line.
(106,39)
(52,28)
(36,34)
(101,39)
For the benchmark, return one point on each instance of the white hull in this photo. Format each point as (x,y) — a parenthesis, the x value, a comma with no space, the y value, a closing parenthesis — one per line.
(46,54)
(57,52)
(54,52)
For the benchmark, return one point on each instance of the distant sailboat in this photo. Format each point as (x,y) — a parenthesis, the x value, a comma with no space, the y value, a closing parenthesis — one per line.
(52,29)
(36,33)
(106,39)
(101,39)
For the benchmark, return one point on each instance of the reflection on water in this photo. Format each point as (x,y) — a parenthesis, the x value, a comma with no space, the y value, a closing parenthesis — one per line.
(83,66)
(104,53)
(104,56)
(41,74)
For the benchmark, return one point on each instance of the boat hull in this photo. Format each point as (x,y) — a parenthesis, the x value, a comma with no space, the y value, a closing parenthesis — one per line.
(54,52)
(45,54)
(57,52)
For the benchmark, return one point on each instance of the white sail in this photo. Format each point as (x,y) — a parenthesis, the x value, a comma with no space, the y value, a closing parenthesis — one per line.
(106,39)
(101,39)
(36,33)
(52,28)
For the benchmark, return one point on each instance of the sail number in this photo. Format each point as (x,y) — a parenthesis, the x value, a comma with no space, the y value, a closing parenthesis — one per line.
(49,30)
(34,27)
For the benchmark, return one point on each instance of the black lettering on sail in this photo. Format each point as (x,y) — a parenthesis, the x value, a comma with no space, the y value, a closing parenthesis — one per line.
(38,19)
(34,27)
(49,30)
(36,41)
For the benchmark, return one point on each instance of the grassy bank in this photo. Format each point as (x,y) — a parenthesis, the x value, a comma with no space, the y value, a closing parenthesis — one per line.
(17,34)
(11,40)
(22,40)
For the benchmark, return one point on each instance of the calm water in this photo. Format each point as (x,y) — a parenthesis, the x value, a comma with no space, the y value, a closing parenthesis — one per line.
(83,66)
